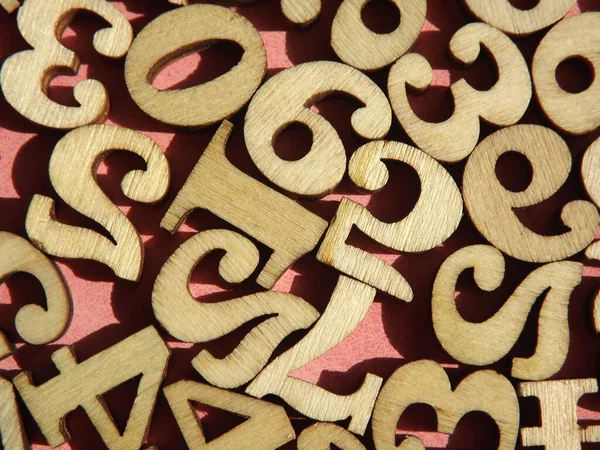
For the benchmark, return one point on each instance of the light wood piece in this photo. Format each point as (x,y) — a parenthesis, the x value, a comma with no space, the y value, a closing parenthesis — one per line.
(191,321)
(491,206)
(558,405)
(73,175)
(301,12)
(426,382)
(184,31)
(348,306)
(267,426)
(434,218)
(280,223)
(287,98)
(83,384)
(502,105)
(322,436)
(574,37)
(590,174)
(26,75)
(10,5)
(483,343)
(35,324)
(519,22)
(356,45)
(11,425)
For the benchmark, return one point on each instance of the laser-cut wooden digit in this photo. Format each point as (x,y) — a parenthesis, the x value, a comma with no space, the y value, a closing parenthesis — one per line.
(502,105)
(192,321)
(515,21)
(25,76)
(11,425)
(72,173)
(178,33)
(10,5)
(35,324)
(574,37)
(434,218)
(82,384)
(491,206)
(356,45)
(268,216)
(558,405)
(301,12)
(267,427)
(486,342)
(590,174)
(286,98)
(322,435)
(426,382)
(348,306)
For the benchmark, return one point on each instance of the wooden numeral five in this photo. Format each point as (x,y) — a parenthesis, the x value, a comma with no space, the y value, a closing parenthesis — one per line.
(72,173)
(348,306)
(10,5)
(322,436)
(11,426)
(192,321)
(486,342)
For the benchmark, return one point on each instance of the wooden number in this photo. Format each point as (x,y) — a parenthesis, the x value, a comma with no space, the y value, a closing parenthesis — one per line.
(191,321)
(590,167)
(11,426)
(515,21)
(486,342)
(502,105)
(268,216)
(72,173)
(301,12)
(426,382)
(267,426)
(434,218)
(491,206)
(10,5)
(574,37)
(355,44)
(322,436)
(286,98)
(558,405)
(82,384)
(348,306)
(25,76)
(181,32)
(35,324)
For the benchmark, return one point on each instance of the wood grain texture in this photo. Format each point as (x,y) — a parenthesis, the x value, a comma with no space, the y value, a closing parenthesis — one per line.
(590,175)
(10,5)
(502,105)
(356,45)
(26,75)
(11,425)
(491,205)
(519,22)
(348,306)
(267,426)
(426,382)
(574,37)
(434,218)
(559,428)
(483,343)
(280,223)
(187,30)
(191,321)
(286,98)
(322,436)
(83,384)
(73,175)
(301,12)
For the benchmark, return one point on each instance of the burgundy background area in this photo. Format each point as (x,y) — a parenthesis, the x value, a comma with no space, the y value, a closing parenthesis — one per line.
(107,309)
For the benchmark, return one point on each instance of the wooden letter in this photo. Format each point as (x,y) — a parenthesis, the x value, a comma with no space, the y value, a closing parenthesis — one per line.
(347,308)
(10,5)
(426,382)
(491,206)
(504,104)
(487,342)
(558,405)
(356,45)
(11,426)
(577,36)
(25,76)
(434,218)
(590,174)
(72,173)
(268,216)
(181,32)
(82,384)
(286,98)
(35,324)
(322,435)
(191,321)
(267,427)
